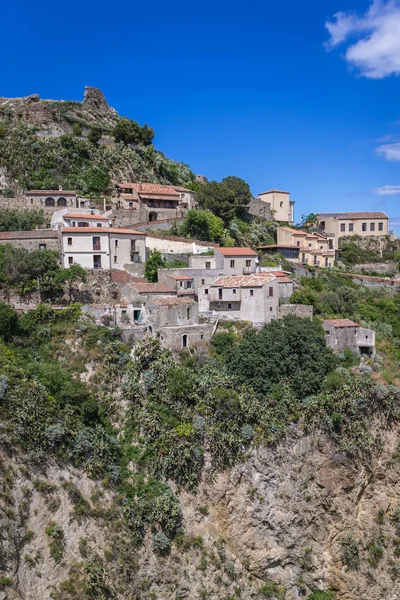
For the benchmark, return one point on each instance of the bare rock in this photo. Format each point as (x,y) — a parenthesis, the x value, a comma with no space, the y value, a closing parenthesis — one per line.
(95,98)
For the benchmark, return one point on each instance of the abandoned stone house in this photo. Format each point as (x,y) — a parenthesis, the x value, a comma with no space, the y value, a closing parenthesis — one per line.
(253,298)
(152,201)
(273,204)
(37,239)
(183,285)
(344,333)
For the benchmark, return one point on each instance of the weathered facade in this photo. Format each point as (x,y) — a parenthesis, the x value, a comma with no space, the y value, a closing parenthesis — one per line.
(236,261)
(153,202)
(251,298)
(277,205)
(303,247)
(37,239)
(344,333)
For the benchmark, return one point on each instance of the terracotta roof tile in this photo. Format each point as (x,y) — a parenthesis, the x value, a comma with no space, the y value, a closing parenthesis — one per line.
(237,251)
(50,192)
(91,230)
(237,281)
(151,288)
(25,235)
(181,277)
(152,188)
(171,301)
(85,216)
(355,215)
(341,323)
(279,246)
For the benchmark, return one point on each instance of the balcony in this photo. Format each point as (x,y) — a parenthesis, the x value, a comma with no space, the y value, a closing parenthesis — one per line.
(249,270)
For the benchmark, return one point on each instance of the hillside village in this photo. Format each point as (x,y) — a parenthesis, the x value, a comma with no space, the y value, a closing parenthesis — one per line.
(198,389)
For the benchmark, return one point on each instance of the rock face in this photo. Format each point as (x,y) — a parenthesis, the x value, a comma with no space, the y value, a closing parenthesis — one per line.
(95,98)
(280,516)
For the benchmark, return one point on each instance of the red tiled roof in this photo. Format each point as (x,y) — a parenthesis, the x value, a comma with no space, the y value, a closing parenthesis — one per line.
(151,288)
(181,277)
(49,192)
(341,323)
(237,251)
(34,234)
(354,215)
(237,281)
(152,188)
(85,216)
(91,230)
(171,301)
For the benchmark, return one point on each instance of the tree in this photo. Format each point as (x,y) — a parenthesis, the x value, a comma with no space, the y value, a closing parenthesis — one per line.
(8,321)
(242,193)
(95,134)
(292,350)
(71,275)
(22,220)
(130,132)
(153,263)
(226,199)
(202,225)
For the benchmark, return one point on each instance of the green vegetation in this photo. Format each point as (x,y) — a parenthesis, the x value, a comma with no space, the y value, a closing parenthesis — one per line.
(130,132)
(81,164)
(21,220)
(319,595)
(227,199)
(153,263)
(202,225)
(350,552)
(56,541)
(273,590)
(357,249)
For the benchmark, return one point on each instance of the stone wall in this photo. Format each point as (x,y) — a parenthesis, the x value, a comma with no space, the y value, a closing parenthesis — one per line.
(31,240)
(198,336)
(260,209)
(385,267)
(20,303)
(303,311)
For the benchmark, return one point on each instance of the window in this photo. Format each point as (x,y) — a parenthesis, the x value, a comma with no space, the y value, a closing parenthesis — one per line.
(61,202)
(115,259)
(364,227)
(181,283)
(351,227)
(133,245)
(188,313)
(248,263)
(70,260)
(309,245)
(342,226)
(203,281)
(116,243)
(380,226)
(82,203)
(202,336)
(229,306)
(96,242)
(233,291)
(372,226)
(49,202)
(97,261)
(270,292)
(83,224)
(99,224)
(298,244)
(219,293)
(232,264)
(281,204)
(270,309)
(208,265)
(185,341)
(206,291)
(251,292)
(42,246)
(130,204)
(69,241)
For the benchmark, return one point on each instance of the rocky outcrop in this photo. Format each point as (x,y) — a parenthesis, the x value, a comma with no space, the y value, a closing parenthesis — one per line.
(94,98)
(280,516)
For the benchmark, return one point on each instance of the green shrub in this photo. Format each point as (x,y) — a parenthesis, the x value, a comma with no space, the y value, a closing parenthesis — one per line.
(273,590)
(56,541)
(318,595)
(350,552)
(161,543)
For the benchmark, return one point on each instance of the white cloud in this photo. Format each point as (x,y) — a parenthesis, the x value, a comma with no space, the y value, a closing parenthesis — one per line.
(389,151)
(387,190)
(373,38)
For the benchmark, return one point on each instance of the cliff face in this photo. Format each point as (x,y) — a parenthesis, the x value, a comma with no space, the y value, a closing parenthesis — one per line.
(274,526)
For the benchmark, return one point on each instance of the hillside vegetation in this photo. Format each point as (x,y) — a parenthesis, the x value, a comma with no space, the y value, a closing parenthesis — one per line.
(79,145)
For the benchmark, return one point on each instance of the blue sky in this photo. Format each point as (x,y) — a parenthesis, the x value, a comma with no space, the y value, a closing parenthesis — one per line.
(301,96)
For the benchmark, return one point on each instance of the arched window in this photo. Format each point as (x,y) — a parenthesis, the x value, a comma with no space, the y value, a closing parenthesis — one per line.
(61,202)
(185,340)
(303,258)
(298,244)
(50,202)
(315,259)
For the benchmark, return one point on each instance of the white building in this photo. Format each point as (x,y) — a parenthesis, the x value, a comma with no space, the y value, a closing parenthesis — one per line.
(253,298)
(82,218)
(95,247)
(236,261)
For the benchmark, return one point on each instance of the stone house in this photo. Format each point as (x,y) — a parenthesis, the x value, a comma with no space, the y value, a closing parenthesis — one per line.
(251,298)
(152,201)
(277,205)
(138,290)
(183,285)
(175,322)
(337,225)
(37,239)
(302,247)
(51,198)
(344,333)
(102,247)
(285,285)
(236,261)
